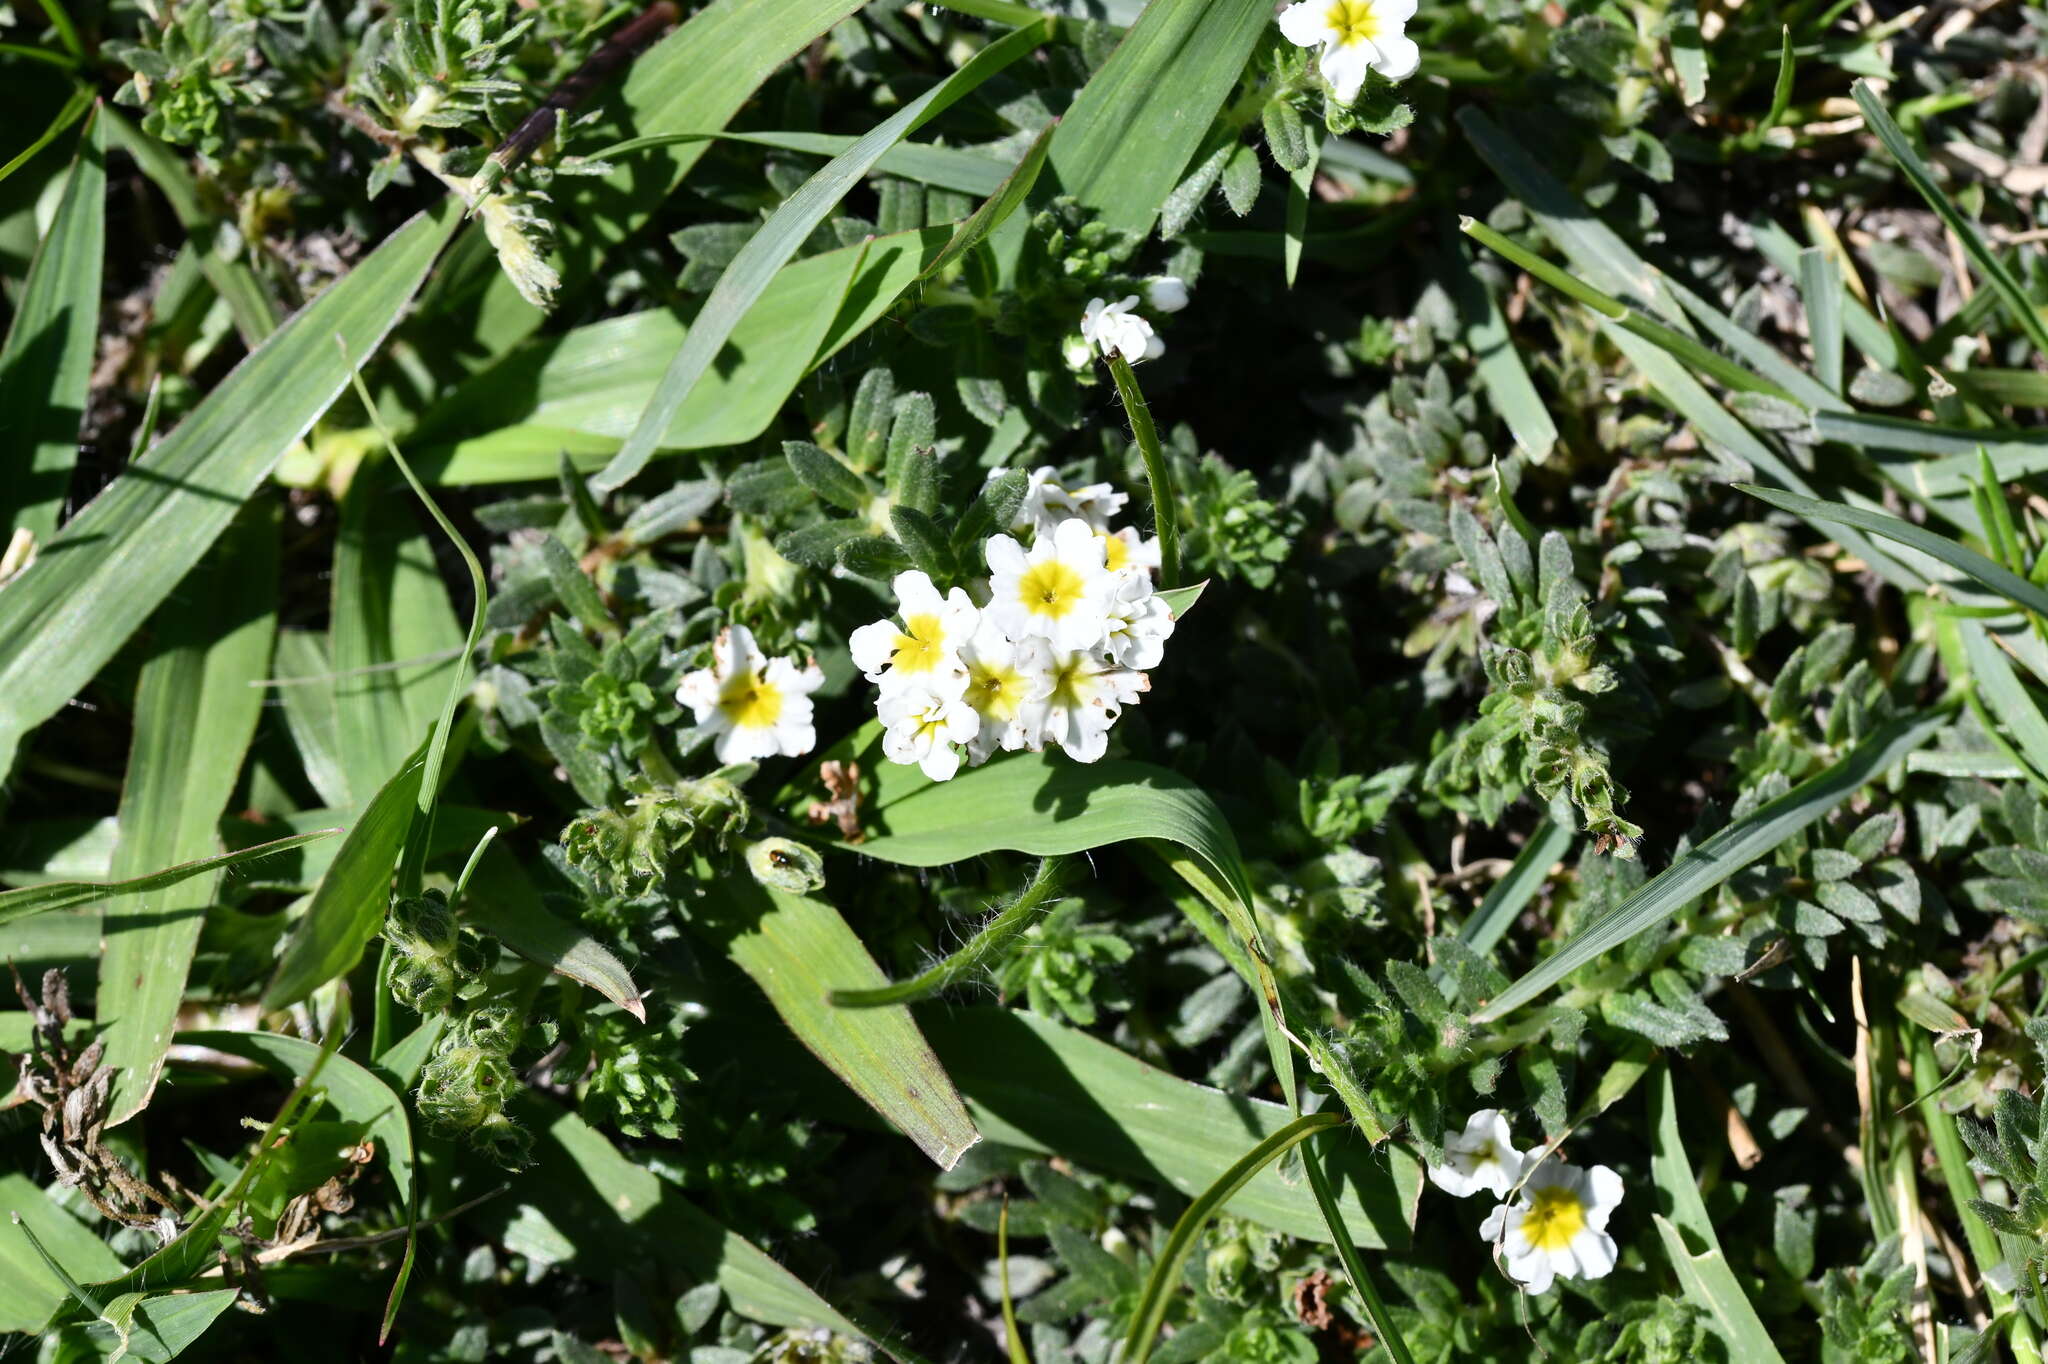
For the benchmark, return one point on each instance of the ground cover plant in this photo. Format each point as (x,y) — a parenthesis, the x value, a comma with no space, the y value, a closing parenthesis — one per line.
(801,680)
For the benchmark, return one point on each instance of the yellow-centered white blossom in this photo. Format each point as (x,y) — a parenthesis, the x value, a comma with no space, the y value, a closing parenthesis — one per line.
(1355,36)
(757,707)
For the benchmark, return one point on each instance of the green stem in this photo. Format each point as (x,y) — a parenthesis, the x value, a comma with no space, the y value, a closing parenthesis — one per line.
(1165,513)
(980,950)
(1368,1292)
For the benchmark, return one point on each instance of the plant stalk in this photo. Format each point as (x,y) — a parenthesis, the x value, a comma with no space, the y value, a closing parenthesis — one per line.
(1165,512)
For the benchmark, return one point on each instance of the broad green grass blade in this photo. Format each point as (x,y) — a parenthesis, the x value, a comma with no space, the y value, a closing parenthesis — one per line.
(196,708)
(776,243)
(395,641)
(349,904)
(798,949)
(1002,201)
(304,677)
(966,169)
(1383,1324)
(1129,135)
(1482,932)
(503,903)
(69,113)
(2000,689)
(1043,804)
(1993,577)
(56,895)
(1722,855)
(1708,1282)
(46,364)
(2013,454)
(1165,511)
(29,1290)
(1046,1087)
(621,1217)
(104,573)
(2002,280)
(1150,1313)
(163,1328)
(1494,357)
(1047,805)
(581,392)
(349,1089)
(1820,288)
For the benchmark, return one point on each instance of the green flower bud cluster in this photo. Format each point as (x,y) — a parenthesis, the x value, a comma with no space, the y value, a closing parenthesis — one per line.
(436,964)
(464,1088)
(626,852)
(636,1076)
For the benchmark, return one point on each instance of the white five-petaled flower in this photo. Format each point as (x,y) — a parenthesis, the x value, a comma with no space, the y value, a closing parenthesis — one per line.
(920,725)
(1139,622)
(925,648)
(1557,1225)
(1047,501)
(1087,695)
(1003,676)
(1058,592)
(1482,1156)
(1356,36)
(758,707)
(1117,327)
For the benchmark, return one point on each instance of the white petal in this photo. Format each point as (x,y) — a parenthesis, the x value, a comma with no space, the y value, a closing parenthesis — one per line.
(795,737)
(744,653)
(1398,58)
(1603,1194)
(1075,542)
(1166,293)
(1393,15)
(1154,347)
(1307,23)
(746,745)
(1344,66)
(1595,1252)
(699,691)
(1006,558)
(941,763)
(915,592)
(1495,1225)
(1455,1182)
(1534,1272)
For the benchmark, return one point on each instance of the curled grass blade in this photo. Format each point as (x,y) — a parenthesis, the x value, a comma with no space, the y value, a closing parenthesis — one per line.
(1720,856)
(983,949)
(56,895)
(1150,1313)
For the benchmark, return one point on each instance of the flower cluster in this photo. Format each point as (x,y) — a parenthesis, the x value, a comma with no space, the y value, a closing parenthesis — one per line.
(756,707)
(1356,36)
(1118,326)
(1552,1219)
(1058,643)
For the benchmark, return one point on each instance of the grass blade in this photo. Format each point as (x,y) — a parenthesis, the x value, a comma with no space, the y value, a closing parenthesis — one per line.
(1383,1323)
(1150,1313)
(1050,1088)
(2002,281)
(1004,200)
(1482,932)
(195,716)
(797,948)
(73,109)
(1165,515)
(29,1291)
(502,902)
(1991,576)
(768,250)
(1704,1274)
(46,364)
(56,895)
(1129,135)
(1722,855)
(1820,286)
(68,613)
(350,902)
(1496,360)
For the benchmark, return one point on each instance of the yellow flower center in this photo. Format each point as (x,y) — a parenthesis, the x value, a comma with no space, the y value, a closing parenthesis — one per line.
(920,645)
(995,692)
(1353,21)
(1116,551)
(1483,1156)
(751,703)
(1049,589)
(1555,1216)
(1072,683)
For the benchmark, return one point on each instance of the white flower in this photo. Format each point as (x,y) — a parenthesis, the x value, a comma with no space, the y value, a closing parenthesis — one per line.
(1481,1157)
(925,648)
(1059,592)
(1002,678)
(758,707)
(921,725)
(1355,35)
(1088,693)
(1166,293)
(1125,548)
(1047,501)
(1139,622)
(1557,1225)
(1115,327)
